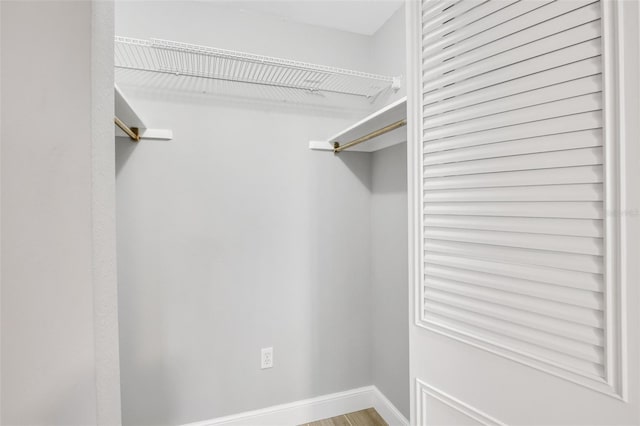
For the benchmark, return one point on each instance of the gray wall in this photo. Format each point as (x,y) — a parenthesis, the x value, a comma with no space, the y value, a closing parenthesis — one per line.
(389,288)
(235,236)
(59,354)
(388,53)
(389,280)
(228,245)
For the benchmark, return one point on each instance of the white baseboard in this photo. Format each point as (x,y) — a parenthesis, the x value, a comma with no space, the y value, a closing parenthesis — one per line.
(309,410)
(387,410)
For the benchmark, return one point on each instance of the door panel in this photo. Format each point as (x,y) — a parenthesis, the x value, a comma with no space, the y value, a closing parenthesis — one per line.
(526,301)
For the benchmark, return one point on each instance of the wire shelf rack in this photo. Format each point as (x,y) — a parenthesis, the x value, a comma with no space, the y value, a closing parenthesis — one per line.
(182,59)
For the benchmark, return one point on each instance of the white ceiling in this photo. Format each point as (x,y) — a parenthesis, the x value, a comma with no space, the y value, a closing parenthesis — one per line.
(357,16)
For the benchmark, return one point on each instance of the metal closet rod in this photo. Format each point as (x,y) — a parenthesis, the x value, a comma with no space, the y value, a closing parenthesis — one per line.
(386,129)
(132,132)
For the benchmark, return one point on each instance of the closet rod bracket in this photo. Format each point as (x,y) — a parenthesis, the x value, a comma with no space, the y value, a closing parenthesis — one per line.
(132,132)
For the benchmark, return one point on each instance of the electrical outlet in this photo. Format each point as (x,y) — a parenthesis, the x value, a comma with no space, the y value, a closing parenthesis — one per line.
(266,361)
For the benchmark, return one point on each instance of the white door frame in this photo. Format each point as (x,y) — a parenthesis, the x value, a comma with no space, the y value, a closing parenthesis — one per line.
(103,214)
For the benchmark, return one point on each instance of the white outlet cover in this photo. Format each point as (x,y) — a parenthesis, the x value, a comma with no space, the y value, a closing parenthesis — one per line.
(266,358)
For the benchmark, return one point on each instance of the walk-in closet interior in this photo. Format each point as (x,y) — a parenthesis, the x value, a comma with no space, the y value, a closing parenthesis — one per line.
(319,212)
(247,218)
(271,214)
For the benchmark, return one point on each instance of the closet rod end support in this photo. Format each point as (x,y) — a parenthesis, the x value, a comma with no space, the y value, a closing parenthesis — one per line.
(136,132)
(396,83)
(132,132)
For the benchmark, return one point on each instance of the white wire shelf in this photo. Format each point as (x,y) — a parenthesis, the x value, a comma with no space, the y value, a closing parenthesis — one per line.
(181,59)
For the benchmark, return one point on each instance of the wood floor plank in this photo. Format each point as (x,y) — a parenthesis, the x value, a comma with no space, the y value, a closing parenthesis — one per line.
(368,417)
(333,421)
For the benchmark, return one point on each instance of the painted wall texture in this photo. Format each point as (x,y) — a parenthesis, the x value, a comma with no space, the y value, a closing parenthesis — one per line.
(389,289)
(389,280)
(59,364)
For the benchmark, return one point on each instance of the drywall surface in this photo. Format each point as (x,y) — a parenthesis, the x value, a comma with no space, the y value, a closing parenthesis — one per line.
(389,288)
(48,168)
(389,280)
(235,236)
(388,54)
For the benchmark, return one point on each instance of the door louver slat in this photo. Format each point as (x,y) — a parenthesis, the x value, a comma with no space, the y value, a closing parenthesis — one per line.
(487,334)
(533,304)
(499,28)
(481,17)
(575,227)
(557,243)
(546,95)
(565,30)
(513,197)
(448,75)
(561,332)
(552,126)
(489,77)
(526,256)
(515,285)
(538,161)
(573,71)
(558,142)
(553,176)
(569,210)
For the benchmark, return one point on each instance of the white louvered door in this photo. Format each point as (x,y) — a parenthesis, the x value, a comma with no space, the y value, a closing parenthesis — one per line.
(524,269)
